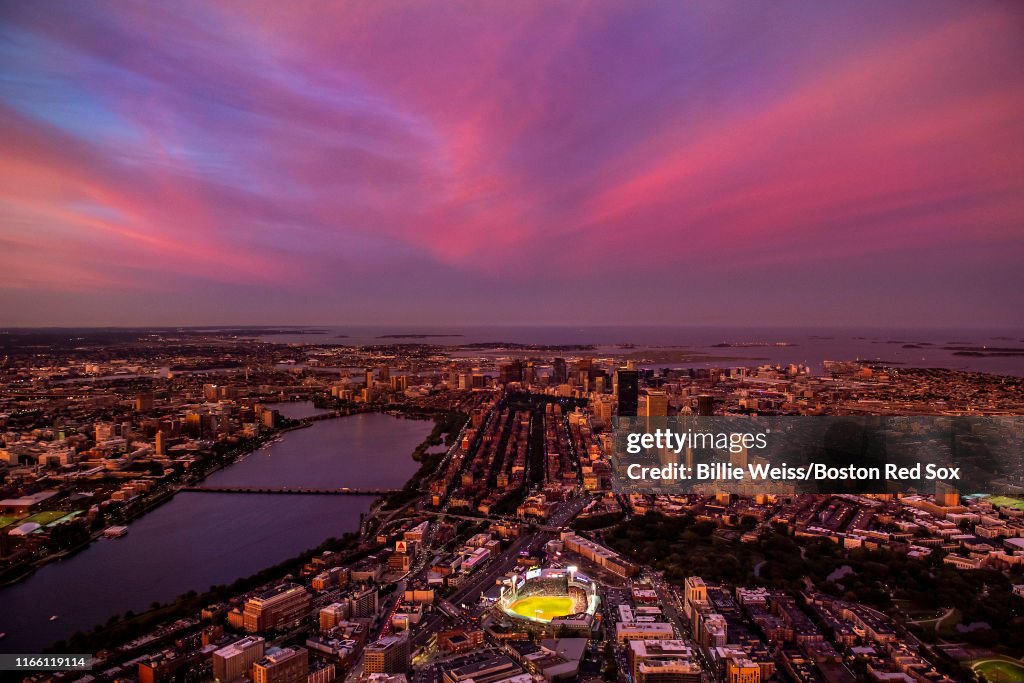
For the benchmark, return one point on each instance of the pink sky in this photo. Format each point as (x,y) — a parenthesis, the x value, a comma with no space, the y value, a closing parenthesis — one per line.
(657,162)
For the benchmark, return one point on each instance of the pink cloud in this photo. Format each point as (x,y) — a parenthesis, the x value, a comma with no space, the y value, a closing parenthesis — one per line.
(504,144)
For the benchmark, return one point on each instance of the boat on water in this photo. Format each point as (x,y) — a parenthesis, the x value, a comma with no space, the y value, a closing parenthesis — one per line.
(53,617)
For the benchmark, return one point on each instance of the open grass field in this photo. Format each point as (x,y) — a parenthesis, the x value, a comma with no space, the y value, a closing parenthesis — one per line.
(999,670)
(66,518)
(543,607)
(46,517)
(1006,501)
(944,623)
(4,521)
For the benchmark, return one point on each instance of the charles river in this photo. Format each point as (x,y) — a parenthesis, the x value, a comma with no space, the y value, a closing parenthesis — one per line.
(198,540)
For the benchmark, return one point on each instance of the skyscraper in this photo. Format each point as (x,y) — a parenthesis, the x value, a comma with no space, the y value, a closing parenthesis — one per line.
(705,405)
(530,373)
(629,391)
(559,371)
(511,372)
(656,408)
(657,404)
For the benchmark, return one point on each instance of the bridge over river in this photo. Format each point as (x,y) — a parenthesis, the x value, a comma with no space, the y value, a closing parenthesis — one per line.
(293,490)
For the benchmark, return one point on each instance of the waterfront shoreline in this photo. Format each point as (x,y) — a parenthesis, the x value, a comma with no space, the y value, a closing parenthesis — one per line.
(167,496)
(360,524)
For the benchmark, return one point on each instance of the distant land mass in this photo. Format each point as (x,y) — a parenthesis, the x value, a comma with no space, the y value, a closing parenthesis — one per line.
(529,347)
(749,345)
(416,336)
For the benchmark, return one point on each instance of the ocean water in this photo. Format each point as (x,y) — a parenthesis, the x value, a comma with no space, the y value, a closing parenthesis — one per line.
(932,347)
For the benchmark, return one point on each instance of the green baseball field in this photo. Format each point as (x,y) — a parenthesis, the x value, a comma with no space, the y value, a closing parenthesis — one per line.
(543,607)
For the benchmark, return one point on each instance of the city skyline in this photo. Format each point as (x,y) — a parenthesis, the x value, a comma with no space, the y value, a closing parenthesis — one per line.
(200,504)
(707,164)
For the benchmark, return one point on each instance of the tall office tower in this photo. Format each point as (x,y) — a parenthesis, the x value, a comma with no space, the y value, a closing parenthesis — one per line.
(530,373)
(629,392)
(587,372)
(285,604)
(161,443)
(655,408)
(232,662)
(511,372)
(282,665)
(389,655)
(383,373)
(369,377)
(657,404)
(559,371)
(506,373)
(705,405)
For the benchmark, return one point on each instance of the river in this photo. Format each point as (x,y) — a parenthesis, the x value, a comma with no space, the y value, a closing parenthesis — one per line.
(198,540)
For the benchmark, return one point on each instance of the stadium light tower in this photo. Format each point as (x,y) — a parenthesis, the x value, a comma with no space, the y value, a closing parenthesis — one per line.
(572,571)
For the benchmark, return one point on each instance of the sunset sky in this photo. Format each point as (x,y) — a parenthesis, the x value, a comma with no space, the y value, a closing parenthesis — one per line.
(512,162)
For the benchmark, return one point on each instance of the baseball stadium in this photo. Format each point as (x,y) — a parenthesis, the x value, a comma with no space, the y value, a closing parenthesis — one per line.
(550,596)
